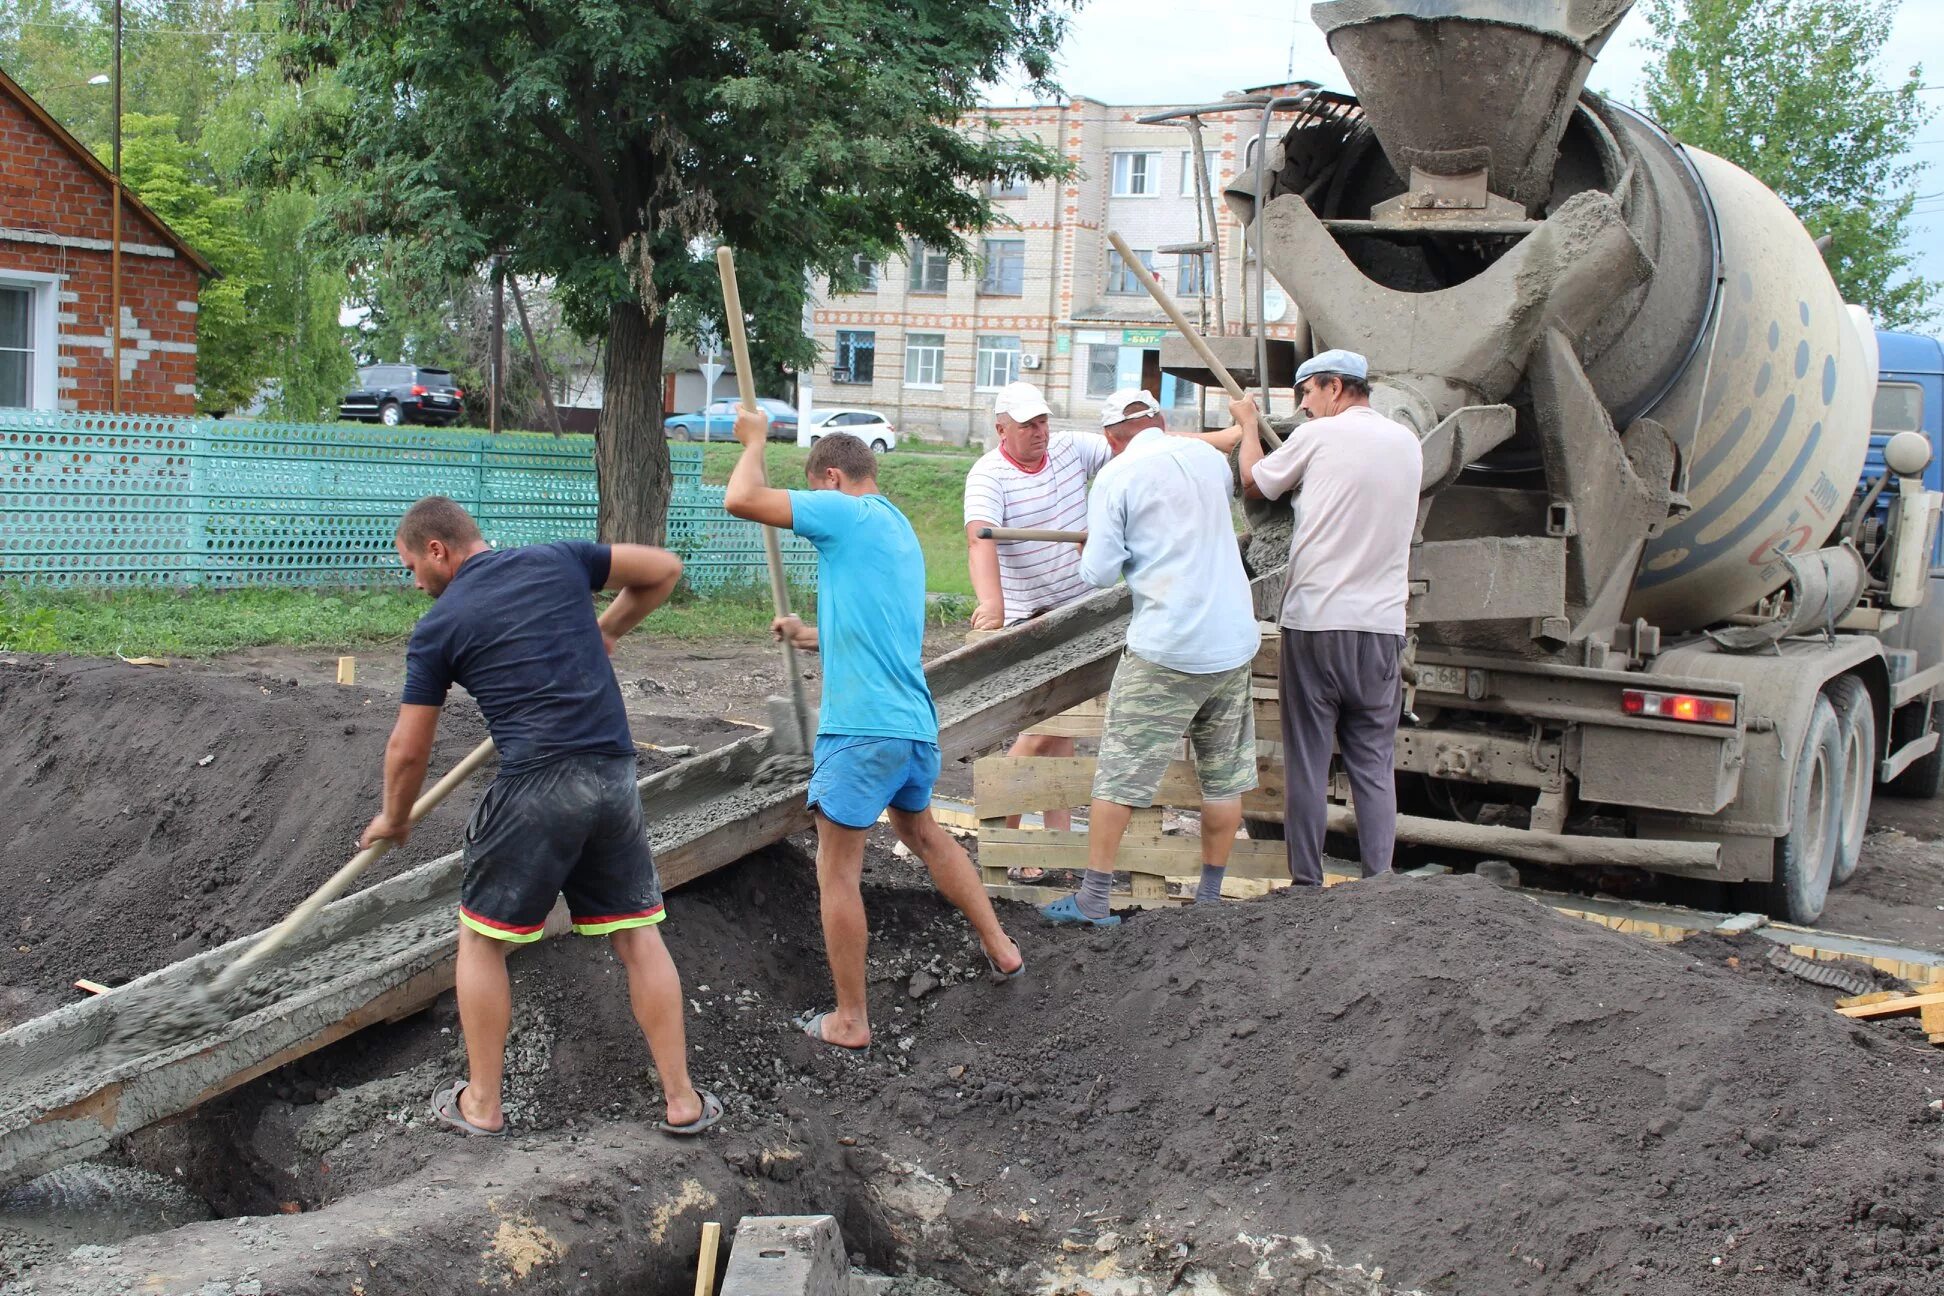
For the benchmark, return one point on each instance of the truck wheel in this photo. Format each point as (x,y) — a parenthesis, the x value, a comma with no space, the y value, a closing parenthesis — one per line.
(1805,857)
(1924,778)
(1856,728)
(390,415)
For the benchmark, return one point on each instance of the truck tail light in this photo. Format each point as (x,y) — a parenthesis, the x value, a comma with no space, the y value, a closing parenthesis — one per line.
(458,394)
(1678,706)
(418,389)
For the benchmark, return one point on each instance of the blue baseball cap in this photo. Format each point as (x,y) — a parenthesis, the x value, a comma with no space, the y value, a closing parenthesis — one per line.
(1348,364)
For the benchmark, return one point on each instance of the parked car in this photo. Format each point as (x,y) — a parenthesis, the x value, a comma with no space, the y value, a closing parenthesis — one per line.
(395,394)
(868,426)
(717,421)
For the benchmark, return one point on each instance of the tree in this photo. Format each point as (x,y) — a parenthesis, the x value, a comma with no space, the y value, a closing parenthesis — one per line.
(605,147)
(1788,90)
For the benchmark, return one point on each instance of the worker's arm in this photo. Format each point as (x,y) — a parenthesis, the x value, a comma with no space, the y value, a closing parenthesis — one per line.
(982,556)
(792,628)
(407,753)
(748,494)
(1223,439)
(1251,442)
(1104,557)
(646,576)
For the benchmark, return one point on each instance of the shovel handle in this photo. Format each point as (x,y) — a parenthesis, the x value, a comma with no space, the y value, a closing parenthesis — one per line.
(335,885)
(732,313)
(1031,533)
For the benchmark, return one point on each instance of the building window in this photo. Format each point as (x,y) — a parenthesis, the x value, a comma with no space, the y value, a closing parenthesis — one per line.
(1186,393)
(1899,408)
(928,266)
(1136,175)
(1191,277)
(1005,268)
(863,276)
(924,359)
(1103,369)
(856,360)
(1209,163)
(1120,275)
(27,342)
(998,361)
(1010,187)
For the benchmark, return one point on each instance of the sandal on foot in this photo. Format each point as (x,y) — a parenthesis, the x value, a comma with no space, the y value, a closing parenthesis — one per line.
(1029,874)
(811,1024)
(445,1105)
(1001,977)
(711,1113)
(1065,912)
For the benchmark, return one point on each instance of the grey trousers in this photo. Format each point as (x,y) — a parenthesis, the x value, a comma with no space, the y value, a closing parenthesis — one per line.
(1340,685)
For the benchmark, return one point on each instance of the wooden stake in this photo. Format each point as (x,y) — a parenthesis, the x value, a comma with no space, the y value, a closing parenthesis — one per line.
(347,670)
(705,1265)
(92,987)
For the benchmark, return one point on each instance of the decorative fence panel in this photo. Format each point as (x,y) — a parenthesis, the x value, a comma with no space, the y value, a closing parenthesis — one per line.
(89,499)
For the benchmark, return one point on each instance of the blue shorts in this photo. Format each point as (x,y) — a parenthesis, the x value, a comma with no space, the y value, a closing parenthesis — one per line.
(856,779)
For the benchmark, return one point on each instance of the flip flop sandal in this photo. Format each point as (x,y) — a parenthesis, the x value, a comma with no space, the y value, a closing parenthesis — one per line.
(711,1113)
(811,1024)
(445,1105)
(999,977)
(1031,874)
(1065,912)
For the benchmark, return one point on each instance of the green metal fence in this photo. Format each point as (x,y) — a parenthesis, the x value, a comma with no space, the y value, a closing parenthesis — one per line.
(90,499)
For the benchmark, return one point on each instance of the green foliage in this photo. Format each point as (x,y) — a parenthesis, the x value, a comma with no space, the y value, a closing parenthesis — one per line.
(607,146)
(1787,89)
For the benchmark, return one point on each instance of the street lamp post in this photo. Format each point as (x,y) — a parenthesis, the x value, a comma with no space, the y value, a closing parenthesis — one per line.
(115,236)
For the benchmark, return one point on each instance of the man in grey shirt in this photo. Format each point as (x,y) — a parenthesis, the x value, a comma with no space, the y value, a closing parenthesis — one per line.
(1343,614)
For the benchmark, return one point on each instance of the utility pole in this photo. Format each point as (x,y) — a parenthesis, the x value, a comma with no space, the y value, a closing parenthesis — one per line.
(115,236)
(539,368)
(495,360)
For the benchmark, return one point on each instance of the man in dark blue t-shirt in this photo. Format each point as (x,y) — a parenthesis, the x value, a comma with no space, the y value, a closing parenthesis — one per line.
(516,629)
(877,735)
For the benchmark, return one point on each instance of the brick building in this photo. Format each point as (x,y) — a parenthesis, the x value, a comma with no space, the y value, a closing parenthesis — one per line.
(56,222)
(927,343)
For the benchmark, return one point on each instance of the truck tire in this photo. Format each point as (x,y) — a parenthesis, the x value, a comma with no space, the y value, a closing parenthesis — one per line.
(390,414)
(1856,728)
(1806,855)
(1924,778)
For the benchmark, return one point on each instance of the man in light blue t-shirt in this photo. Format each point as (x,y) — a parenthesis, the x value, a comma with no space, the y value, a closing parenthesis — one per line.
(877,731)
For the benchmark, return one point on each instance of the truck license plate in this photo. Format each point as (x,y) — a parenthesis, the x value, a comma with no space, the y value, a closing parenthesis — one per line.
(1441,679)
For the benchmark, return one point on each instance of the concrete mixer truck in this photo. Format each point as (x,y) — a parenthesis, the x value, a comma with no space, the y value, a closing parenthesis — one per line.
(1668,592)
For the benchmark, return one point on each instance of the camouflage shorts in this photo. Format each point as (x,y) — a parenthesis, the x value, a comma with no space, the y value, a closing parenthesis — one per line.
(1152,708)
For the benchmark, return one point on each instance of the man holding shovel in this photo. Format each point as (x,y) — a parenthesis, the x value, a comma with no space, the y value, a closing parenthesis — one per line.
(516,629)
(877,740)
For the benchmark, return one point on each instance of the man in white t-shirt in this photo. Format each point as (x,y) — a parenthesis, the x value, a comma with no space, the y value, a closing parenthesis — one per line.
(1343,613)
(1034,478)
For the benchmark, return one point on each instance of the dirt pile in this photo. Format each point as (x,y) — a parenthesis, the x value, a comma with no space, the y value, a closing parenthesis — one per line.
(154,813)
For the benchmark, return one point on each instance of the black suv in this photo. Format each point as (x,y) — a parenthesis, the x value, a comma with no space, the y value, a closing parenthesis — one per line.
(394,394)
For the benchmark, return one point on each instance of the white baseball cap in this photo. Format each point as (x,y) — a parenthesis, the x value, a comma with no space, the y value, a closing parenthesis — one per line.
(1127,403)
(1021,402)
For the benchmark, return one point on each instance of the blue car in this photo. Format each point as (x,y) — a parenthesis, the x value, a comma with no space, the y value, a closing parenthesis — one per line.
(717,421)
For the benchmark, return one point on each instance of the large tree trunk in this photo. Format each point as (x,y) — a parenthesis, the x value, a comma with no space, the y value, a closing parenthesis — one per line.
(630,453)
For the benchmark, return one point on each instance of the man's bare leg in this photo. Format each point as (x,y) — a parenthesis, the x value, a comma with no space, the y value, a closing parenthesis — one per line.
(655,993)
(1106,824)
(958,881)
(840,897)
(485,1014)
(1220,820)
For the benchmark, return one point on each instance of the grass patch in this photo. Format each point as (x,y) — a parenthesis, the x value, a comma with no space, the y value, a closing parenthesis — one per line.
(929,489)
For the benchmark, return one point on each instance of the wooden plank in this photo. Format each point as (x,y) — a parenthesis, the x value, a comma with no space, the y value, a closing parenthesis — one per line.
(1010,785)
(1165,856)
(347,672)
(1891,1007)
(1875,996)
(1932,1018)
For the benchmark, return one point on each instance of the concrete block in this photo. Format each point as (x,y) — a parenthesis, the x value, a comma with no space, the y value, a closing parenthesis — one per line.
(787,1255)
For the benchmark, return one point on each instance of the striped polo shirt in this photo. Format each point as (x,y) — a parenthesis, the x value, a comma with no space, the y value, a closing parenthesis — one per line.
(1038,575)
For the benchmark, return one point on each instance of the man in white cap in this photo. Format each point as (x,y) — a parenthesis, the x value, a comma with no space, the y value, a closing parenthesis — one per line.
(1160,517)
(1032,478)
(1343,613)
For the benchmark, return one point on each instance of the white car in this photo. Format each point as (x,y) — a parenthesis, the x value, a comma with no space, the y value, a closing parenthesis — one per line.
(867,426)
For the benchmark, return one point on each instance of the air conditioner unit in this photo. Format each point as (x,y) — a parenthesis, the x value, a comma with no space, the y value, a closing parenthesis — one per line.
(1028,360)
(842,376)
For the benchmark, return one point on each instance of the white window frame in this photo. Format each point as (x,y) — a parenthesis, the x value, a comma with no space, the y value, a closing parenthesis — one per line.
(1200,286)
(1117,270)
(43,332)
(1212,161)
(919,262)
(919,384)
(987,377)
(1123,178)
(989,286)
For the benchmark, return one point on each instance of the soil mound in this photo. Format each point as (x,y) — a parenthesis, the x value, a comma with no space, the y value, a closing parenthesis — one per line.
(152,813)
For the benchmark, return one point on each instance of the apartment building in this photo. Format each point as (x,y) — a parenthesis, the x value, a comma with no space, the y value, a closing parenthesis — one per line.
(928,341)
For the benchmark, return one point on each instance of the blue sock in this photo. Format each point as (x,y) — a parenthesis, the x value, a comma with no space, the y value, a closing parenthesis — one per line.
(1209,891)
(1094,888)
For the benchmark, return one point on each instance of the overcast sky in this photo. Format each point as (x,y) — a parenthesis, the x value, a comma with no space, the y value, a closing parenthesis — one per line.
(1152,52)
